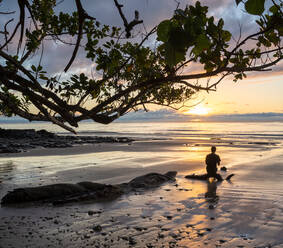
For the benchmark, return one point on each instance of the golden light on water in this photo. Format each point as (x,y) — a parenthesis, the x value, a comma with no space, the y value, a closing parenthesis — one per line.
(198,110)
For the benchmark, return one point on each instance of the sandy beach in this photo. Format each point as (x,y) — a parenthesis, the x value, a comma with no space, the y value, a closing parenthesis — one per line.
(247,212)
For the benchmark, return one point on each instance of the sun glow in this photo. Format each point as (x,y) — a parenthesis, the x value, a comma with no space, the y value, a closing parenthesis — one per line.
(198,110)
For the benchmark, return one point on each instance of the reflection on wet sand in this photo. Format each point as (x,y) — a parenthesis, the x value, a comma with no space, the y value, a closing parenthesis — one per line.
(211,195)
(5,169)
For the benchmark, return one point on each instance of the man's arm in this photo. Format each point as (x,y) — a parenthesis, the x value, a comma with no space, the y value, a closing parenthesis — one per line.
(206,160)
(218,160)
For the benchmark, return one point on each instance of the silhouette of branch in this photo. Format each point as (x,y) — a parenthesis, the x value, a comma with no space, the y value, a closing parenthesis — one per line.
(21,4)
(79,37)
(11,37)
(7,13)
(128,26)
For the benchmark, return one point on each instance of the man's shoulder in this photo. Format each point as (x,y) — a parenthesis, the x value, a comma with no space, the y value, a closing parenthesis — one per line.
(213,155)
(209,155)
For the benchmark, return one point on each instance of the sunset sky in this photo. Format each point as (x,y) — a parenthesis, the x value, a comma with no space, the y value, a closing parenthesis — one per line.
(260,92)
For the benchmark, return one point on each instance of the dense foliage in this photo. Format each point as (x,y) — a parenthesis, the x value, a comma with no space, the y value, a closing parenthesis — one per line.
(133,75)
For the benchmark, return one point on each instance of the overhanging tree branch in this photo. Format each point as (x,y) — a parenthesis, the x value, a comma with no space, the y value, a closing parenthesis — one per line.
(129,74)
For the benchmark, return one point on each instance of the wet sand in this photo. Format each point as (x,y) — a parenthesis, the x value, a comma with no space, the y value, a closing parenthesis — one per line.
(248,212)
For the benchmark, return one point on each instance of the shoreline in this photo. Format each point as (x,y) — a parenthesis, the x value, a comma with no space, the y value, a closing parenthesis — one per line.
(246,213)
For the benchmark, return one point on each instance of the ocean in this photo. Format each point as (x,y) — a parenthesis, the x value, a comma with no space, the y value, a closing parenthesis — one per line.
(241,131)
(236,142)
(244,212)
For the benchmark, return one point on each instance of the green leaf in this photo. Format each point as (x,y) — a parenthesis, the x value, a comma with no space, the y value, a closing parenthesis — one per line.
(163,30)
(173,56)
(273,9)
(226,35)
(177,38)
(202,43)
(209,67)
(33,68)
(41,76)
(255,7)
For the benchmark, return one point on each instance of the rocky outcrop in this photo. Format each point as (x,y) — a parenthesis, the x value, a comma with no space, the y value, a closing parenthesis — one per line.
(83,191)
(21,140)
(152,179)
(62,192)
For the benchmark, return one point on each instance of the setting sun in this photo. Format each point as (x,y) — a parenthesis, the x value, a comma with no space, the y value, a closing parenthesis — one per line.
(198,110)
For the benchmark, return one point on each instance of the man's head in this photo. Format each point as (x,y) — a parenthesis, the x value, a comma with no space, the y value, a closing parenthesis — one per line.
(213,149)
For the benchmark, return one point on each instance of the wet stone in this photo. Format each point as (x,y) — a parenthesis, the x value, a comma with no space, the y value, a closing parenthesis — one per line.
(97,228)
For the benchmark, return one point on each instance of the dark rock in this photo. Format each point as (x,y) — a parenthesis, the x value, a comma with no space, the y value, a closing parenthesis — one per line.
(97,228)
(132,241)
(90,212)
(19,140)
(161,236)
(9,150)
(164,229)
(45,134)
(174,235)
(41,193)
(139,229)
(223,168)
(83,191)
(152,179)
(222,241)
(63,193)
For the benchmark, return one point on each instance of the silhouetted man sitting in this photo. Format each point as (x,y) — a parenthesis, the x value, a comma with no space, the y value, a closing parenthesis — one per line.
(212,160)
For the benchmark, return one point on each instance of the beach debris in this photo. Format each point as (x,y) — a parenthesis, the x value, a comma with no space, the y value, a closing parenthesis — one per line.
(205,177)
(84,191)
(229,177)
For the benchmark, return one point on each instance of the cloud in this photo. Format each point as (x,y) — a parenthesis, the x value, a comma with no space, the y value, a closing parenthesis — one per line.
(152,12)
(166,115)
